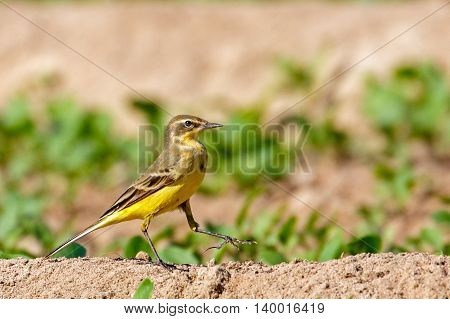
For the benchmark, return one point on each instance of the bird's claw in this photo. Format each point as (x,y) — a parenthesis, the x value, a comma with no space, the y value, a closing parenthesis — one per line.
(167,266)
(232,241)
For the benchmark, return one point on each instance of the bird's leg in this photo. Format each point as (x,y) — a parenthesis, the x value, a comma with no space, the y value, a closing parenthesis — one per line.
(186,207)
(144,229)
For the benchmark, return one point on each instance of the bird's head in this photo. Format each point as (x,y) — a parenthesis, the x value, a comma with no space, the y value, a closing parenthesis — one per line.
(187,127)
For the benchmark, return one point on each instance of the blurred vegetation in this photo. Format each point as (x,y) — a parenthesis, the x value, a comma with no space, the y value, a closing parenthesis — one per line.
(46,157)
(44,161)
(413,104)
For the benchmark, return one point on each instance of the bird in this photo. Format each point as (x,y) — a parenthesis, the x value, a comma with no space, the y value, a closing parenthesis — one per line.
(167,184)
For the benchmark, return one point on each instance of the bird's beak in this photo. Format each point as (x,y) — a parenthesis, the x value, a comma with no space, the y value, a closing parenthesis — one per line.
(212,125)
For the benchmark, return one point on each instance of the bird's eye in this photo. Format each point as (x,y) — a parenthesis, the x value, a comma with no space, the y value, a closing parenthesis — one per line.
(188,123)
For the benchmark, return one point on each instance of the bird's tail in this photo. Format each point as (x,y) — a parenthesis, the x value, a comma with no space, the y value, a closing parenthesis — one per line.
(85,232)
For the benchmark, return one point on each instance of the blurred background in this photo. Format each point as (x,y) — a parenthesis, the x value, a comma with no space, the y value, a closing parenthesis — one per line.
(79,78)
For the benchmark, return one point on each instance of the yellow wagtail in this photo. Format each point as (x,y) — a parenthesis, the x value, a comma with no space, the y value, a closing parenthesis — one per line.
(166,185)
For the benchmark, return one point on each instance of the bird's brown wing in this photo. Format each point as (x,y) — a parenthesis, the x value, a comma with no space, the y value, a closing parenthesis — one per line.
(146,185)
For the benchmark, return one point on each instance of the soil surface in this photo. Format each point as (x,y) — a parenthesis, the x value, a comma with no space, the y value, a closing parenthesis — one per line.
(412,275)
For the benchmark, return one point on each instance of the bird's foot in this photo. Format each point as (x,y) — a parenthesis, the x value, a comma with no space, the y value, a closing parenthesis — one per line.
(233,241)
(168,266)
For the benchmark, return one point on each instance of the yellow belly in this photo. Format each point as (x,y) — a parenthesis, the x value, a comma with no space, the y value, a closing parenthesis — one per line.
(164,200)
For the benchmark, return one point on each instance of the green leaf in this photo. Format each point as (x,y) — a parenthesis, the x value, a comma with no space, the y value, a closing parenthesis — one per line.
(366,244)
(287,230)
(165,233)
(135,245)
(264,223)
(4,255)
(270,256)
(178,255)
(219,254)
(446,250)
(310,225)
(332,249)
(74,250)
(153,111)
(215,184)
(441,217)
(243,213)
(145,290)
(16,117)
(294,73)
(432,237)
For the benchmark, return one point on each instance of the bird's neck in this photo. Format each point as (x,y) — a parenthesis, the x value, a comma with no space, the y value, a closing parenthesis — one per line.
(188,143)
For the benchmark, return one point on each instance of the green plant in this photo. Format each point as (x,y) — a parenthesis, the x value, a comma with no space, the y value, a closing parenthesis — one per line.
(4,255)
(323,136)
(413,103)
(74,250)
(45,160)
(295,75)
(433,238)
(144,290)
(395,184)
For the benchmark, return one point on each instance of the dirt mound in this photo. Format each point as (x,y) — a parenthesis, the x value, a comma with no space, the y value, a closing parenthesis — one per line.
(412,275)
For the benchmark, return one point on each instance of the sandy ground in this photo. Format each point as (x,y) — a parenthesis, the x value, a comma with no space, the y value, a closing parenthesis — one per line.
(412,275)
